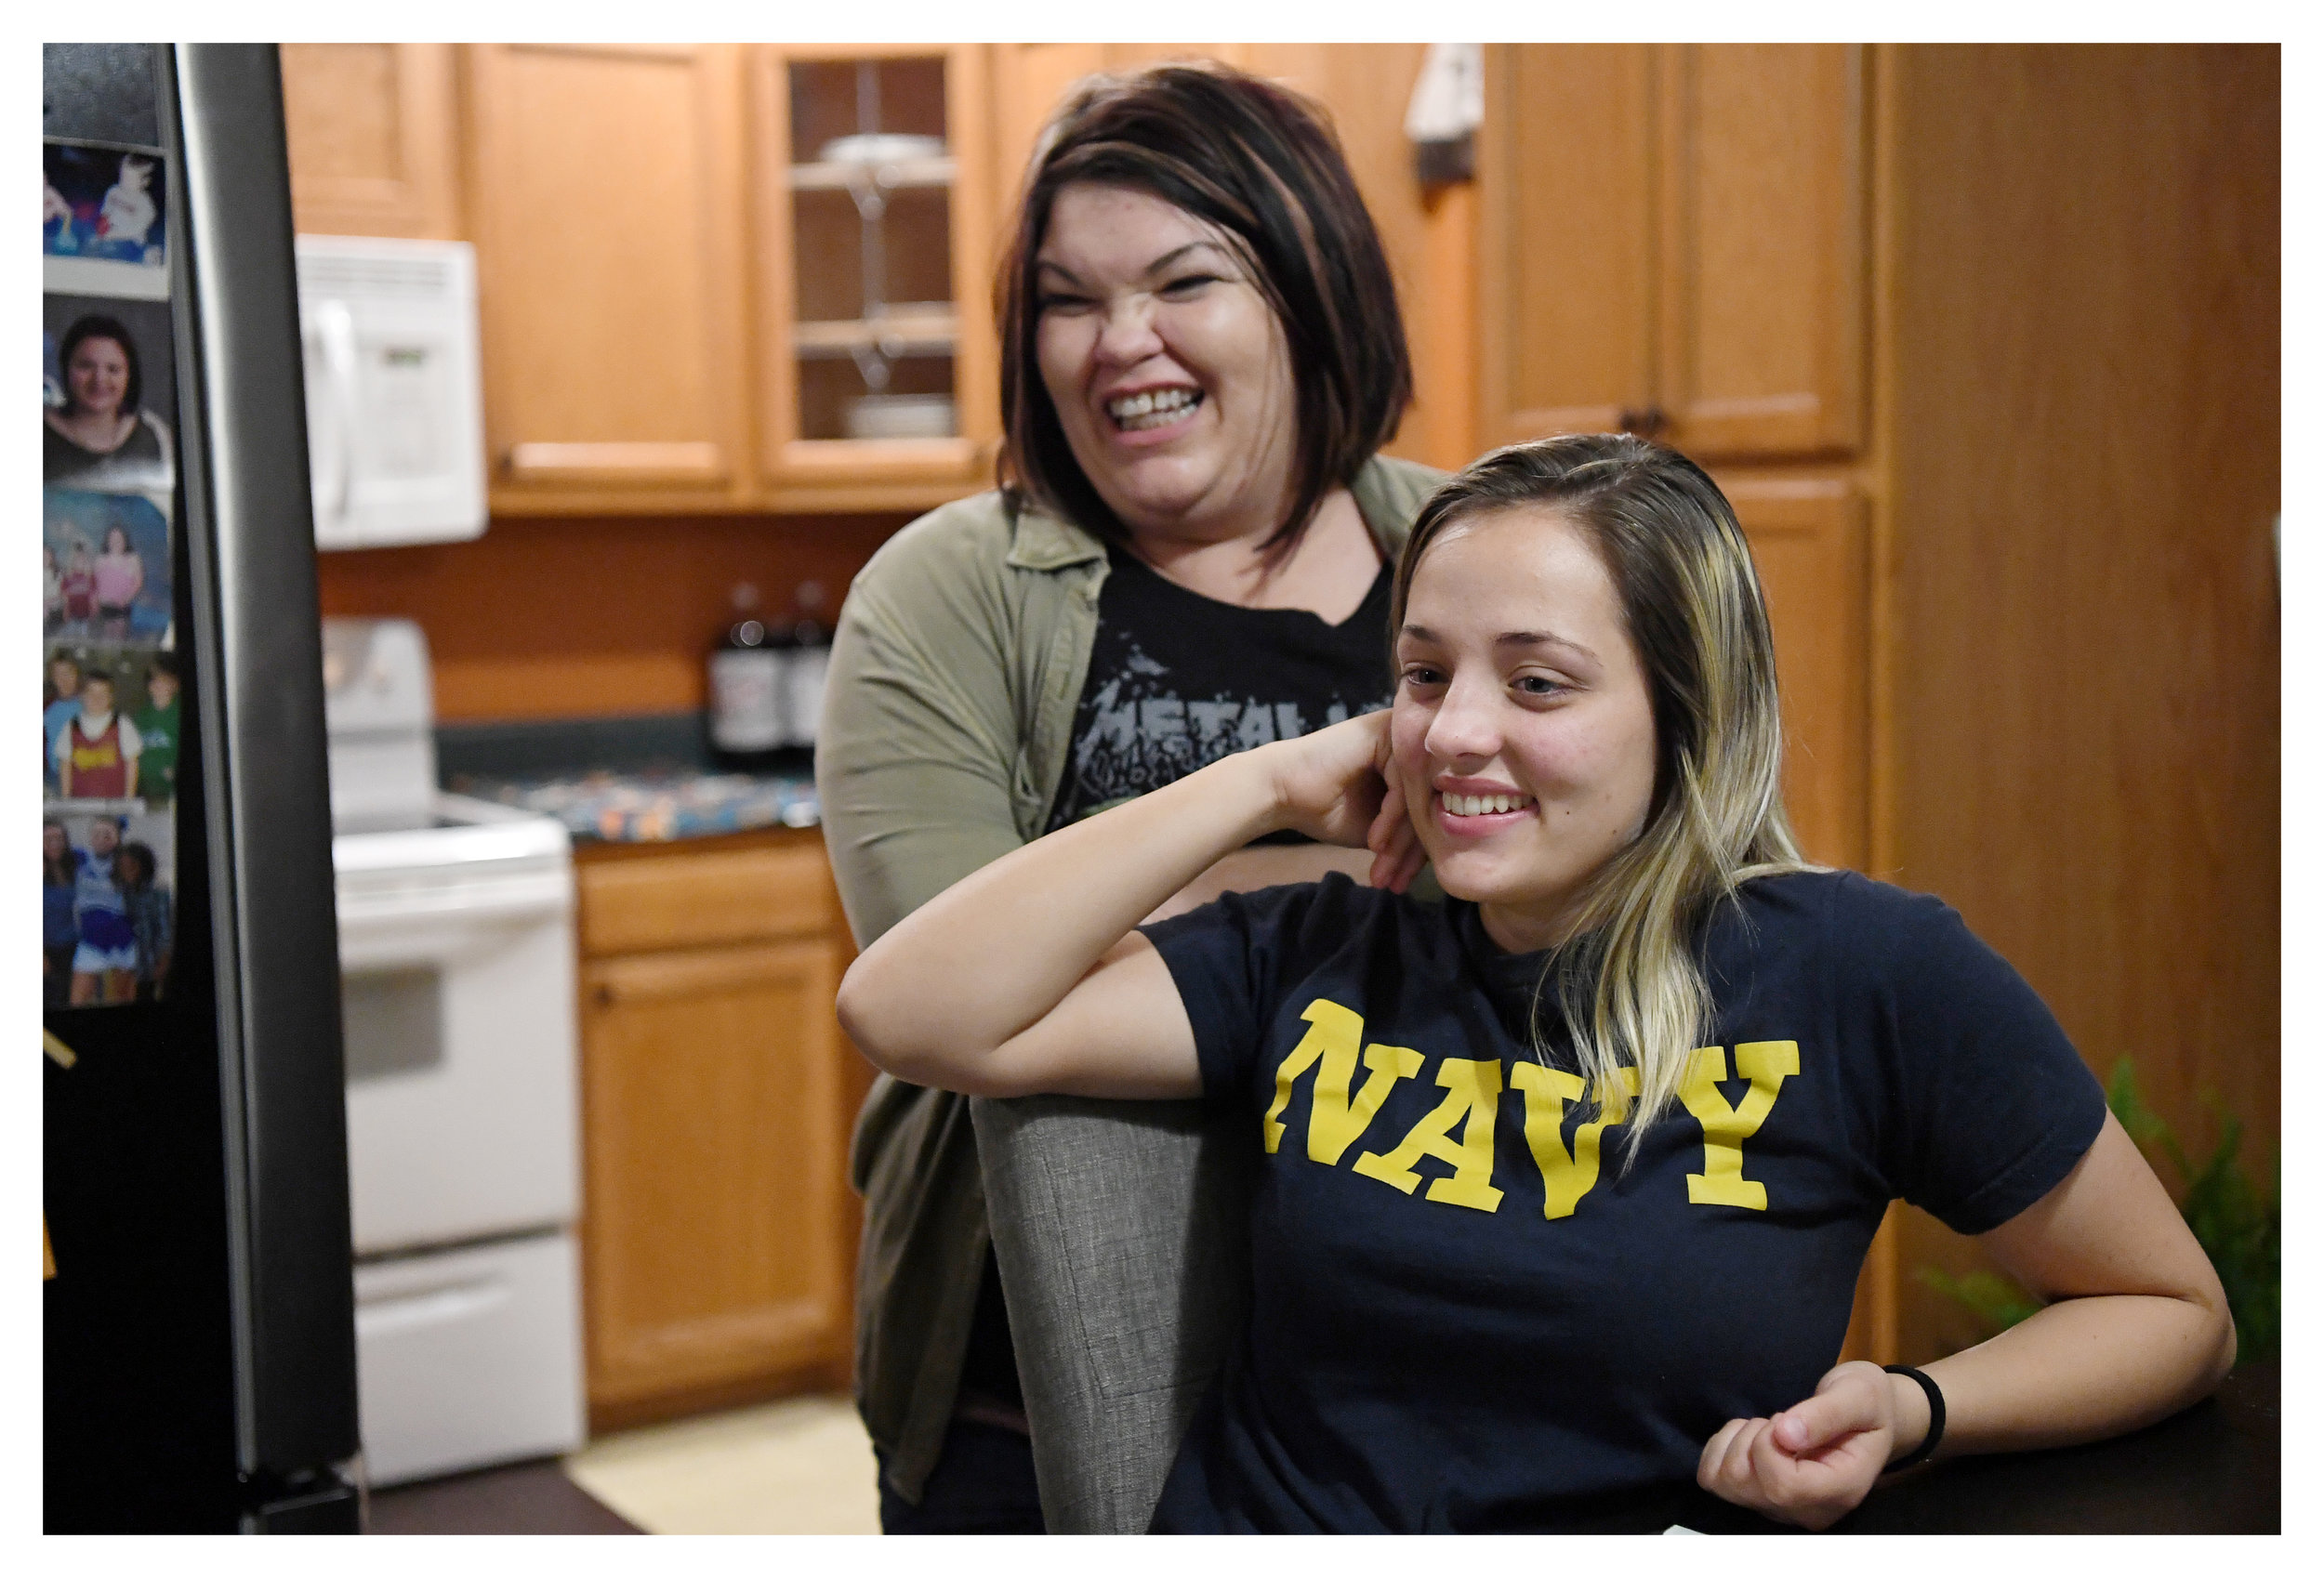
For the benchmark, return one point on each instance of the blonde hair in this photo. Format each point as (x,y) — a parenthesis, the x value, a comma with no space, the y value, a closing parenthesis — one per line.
(1628,979)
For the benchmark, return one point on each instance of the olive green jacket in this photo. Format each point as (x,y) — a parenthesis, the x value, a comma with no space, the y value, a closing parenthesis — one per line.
(955,673)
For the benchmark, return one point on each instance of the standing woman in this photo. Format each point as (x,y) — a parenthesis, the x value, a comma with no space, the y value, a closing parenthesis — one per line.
(1201,356)
(103,438)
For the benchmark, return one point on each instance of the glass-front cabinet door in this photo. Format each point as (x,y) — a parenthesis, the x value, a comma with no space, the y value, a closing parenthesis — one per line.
(876,259)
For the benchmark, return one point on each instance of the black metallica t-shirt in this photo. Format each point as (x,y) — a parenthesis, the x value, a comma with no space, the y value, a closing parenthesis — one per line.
(1178,680)
(1467,1312)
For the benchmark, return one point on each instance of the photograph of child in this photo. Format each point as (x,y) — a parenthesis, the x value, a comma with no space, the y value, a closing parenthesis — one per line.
(111,554)
(111,715)
(108,921)
(103,203)
(145,895)
(107,401)
(98,751)
(156,721)
(61,704)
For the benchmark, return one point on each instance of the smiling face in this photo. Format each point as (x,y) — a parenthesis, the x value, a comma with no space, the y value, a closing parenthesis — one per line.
(102,837)
(1170,375)
(98,375)
(1523,727)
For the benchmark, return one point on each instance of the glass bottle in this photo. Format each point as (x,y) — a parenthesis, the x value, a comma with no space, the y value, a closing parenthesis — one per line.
(750,681)
(809,638)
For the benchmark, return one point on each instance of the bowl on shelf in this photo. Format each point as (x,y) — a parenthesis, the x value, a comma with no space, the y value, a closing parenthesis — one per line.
(880,148)
(899,416)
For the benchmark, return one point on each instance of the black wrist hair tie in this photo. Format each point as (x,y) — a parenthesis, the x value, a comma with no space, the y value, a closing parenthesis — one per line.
(1920,1454)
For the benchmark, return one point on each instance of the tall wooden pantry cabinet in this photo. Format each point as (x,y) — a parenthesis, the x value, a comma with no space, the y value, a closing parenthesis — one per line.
(1982,343)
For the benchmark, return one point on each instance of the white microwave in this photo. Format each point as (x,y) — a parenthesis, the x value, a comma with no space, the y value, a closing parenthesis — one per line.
(395,411)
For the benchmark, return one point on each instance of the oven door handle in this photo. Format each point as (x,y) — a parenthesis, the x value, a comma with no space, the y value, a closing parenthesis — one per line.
(439,1305)
(540,895)
(381,930)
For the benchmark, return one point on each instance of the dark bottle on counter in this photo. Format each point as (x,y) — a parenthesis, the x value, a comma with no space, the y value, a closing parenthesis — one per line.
(808,649)
(750,684)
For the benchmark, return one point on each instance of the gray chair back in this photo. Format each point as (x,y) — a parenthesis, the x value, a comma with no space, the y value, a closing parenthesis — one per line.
(1123,1233)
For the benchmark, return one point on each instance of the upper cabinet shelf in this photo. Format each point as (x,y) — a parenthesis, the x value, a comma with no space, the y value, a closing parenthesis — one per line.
(847,175)
(914,329)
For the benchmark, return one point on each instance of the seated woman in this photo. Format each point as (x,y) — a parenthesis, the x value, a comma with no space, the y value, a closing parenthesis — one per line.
(1567,1181)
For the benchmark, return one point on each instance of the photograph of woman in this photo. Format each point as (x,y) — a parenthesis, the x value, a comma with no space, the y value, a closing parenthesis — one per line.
(1564,1180)
(99,433)
(1202,355)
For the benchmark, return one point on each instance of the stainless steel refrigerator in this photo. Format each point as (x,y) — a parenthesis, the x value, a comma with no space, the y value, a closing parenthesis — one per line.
(199,1326)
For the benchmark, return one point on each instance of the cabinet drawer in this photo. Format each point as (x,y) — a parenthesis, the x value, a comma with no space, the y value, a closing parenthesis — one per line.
(687,901)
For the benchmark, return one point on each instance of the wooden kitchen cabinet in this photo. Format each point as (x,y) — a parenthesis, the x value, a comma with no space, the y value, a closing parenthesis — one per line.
(608,203)
(374,139)
(718,1228)
(1672,239)
(1809,542)
(873,271)
(1937,317)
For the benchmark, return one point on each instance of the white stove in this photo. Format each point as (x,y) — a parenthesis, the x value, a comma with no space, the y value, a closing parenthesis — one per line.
(457,961)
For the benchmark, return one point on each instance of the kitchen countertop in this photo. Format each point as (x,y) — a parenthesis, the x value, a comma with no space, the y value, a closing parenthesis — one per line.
(632,779)
(652,804)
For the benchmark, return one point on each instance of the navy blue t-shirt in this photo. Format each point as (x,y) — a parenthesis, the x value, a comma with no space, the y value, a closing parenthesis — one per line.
(1467,1312)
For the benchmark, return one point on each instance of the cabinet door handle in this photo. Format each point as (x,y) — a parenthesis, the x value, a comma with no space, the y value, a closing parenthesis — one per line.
(680,462)
(1645,421)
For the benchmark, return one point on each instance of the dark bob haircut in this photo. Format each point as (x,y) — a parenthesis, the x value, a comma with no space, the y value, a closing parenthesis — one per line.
(97,326)
(1259,162)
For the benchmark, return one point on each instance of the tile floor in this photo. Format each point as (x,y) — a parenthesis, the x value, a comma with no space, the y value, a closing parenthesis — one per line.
(799,1467)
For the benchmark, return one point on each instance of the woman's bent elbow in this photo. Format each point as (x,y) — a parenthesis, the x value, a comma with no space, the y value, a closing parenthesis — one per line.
(2223,1355)
(858,1005)
(893,1043)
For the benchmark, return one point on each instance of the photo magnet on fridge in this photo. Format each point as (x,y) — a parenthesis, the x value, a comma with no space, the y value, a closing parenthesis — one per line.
(108,915)
(144,691)
(108,405)
(103,225)
(105,569)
